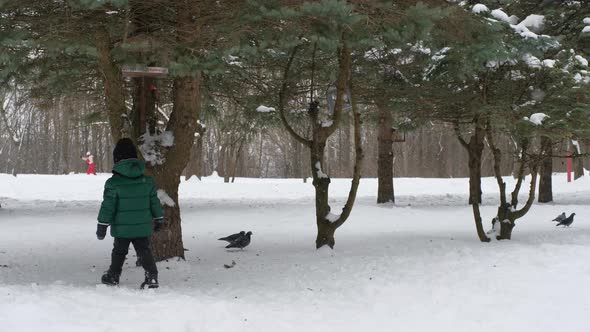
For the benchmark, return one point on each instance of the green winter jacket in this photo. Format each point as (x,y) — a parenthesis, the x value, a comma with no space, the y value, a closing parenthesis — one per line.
(130,201)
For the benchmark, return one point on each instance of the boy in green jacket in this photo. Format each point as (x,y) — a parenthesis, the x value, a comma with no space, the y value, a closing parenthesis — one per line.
(131,207)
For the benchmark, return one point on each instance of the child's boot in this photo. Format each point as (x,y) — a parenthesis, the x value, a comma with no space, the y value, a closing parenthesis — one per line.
(151,281)
(110,278)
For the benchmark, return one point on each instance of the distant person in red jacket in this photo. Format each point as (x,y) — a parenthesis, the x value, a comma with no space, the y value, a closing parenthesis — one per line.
(89,159)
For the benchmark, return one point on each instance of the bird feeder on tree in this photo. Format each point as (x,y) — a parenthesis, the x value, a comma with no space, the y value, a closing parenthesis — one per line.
(146,51)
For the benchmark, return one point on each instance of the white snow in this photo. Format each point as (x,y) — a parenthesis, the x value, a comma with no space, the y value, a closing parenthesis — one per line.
(524,31)
(586,29)
(164,198)
(380,53)
(166,139)
(537,118)
(321,174)
(577,145)
(534,22)
(332,217)
(416,265)
(586,20)
(420,48)
(327,123)
(532,61)
(513,19)
(264,109)
(480,8)
(232,60)
(150,146)
(441,54)
(495,230)
(581,60)
(501,15)
(529,34)
(549,63)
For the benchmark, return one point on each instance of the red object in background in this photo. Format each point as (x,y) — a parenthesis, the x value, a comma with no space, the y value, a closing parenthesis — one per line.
(568,166)
(90,168)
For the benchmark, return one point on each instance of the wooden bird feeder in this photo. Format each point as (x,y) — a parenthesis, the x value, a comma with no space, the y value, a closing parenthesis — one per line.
(144,71)
(144,46)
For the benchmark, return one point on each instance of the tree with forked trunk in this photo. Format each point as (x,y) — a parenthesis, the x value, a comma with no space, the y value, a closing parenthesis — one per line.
(321,48)
(508,212)
(475,148)
(326,221)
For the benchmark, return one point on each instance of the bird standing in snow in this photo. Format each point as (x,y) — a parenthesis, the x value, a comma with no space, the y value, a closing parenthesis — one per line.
(241,242)
(560,217)
(233,237)
(567,221)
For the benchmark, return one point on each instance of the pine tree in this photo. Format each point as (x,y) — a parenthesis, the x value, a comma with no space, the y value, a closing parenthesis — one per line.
(498,76)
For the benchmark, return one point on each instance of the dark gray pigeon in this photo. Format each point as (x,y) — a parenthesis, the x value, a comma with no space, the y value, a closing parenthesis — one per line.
(241,242)
(567,221)
(233,237)
(560,217)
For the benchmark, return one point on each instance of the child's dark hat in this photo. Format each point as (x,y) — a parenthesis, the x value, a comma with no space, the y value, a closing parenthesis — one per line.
(125,149)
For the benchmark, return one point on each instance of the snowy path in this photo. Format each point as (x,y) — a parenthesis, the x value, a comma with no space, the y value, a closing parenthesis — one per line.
(415,267)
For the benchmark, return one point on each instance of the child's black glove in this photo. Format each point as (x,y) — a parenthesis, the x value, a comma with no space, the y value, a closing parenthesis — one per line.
(158,223)
(101,231)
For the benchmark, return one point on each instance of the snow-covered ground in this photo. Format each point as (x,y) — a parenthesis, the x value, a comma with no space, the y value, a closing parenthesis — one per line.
(413,266)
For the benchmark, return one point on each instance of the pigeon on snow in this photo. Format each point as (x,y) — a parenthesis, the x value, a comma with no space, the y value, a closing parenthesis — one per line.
(560,217)
(567,221)
(233,237)
(241,242)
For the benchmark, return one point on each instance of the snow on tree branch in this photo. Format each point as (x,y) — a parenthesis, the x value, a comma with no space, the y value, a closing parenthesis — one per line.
(151,146)
(165,199)
(537,118)
(264,109)
(321,174)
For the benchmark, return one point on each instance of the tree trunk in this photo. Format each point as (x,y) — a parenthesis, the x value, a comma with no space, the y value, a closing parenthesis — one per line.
(506,230)
(325,235)
(545,183)
(192,165)
(478,224)
(506,220)
(260,149)
(227,164)
(385,192)
(475,175)
(195,163)
(65,141)
(144,106)
(198,152)
(113,83)
(475,151)
(236,162)
(183,124)
(578,162)
(321,184)
(167,242)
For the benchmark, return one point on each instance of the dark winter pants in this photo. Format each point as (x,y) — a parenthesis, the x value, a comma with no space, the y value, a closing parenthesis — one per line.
(142,249)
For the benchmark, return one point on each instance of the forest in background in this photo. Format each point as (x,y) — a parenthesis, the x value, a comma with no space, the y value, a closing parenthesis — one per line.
(51,139)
